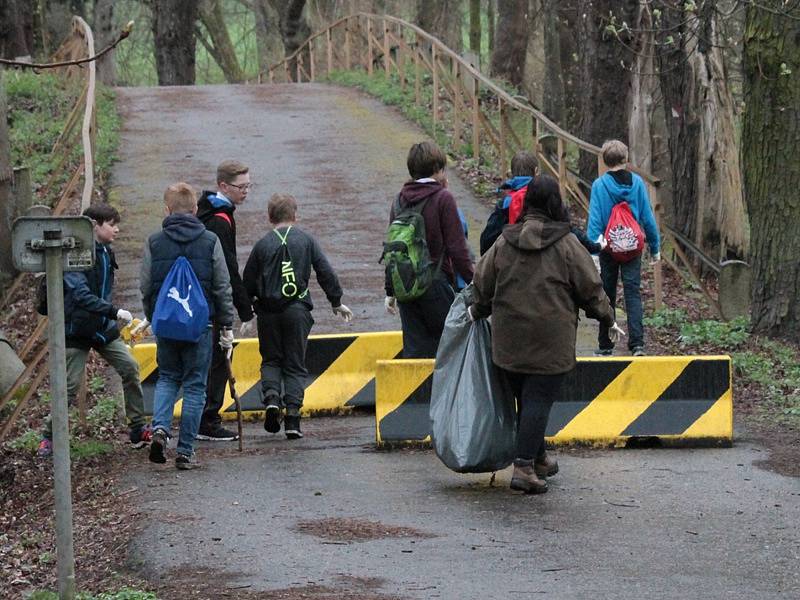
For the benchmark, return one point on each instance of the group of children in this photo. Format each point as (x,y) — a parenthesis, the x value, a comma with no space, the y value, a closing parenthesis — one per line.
(423,270)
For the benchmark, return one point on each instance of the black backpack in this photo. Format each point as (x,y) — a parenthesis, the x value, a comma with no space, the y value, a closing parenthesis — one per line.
(494,226)
(278,285)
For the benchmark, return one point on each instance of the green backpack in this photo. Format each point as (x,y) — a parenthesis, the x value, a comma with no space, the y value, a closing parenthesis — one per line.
(405,253)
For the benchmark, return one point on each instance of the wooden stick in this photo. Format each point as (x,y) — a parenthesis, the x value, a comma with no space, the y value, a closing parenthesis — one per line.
(235,396)
(37,381)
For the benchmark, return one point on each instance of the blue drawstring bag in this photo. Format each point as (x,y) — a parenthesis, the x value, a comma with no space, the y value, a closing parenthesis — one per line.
(181,311)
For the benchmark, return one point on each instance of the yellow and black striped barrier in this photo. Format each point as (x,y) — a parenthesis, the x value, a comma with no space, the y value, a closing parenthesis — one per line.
(604,401)
(341,371)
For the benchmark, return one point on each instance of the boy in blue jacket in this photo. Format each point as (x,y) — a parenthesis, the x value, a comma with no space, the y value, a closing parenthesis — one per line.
(91,322)
(620,185)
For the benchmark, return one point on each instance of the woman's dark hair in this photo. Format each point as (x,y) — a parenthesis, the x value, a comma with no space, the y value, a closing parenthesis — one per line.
(544,196)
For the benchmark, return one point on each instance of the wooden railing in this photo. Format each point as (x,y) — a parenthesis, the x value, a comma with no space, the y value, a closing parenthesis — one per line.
(60,155)
(475,112)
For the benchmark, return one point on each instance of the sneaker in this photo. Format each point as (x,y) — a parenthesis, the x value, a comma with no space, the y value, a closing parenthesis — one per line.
(45,448)
(187,463)
(638,351)
(158,447)
(272,417)
(140,436)
(291,427)
(604,352)
(218,434)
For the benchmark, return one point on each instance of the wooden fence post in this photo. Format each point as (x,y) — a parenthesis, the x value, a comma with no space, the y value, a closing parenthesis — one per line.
(417,74)
(387,67)
(658,281)
(562,168)
(456,102)
(311,62)
(347,44)
(502,148)
(329,50)
(476,120)
(435,73)
(369,46)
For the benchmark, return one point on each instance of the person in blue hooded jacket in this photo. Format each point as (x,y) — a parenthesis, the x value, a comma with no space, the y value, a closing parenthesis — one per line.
(92,321)
(618,185)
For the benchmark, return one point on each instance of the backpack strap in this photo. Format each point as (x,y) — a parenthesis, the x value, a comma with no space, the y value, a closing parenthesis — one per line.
(283,237)
(225,216)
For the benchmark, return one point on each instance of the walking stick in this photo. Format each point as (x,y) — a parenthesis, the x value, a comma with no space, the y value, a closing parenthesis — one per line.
(235,396)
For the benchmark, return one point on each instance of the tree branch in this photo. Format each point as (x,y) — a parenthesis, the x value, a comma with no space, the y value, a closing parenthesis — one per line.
(126,31)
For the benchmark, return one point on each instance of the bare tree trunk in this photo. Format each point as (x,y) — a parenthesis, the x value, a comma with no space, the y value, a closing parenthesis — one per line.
(771,168)
(512,43)
(294,27)
(475,26)
(568,11)
(104,34)
(604,81)
(6,198)
(268,39)
(58,19)
(443,20)
(173,35)
(16,28)
(535,71)
(220,46)
(490,23)
(708,205)
(553,93)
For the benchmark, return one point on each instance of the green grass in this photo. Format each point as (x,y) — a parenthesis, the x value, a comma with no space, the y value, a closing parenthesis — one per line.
(38,108)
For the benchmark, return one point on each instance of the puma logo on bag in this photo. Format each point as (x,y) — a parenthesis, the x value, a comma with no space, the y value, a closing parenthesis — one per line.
(184,302)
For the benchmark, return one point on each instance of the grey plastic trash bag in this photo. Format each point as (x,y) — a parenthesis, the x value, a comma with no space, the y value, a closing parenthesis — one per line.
(473,415)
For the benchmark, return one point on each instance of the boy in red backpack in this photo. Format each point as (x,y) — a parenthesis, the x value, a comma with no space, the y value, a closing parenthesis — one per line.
(626,236)
(215,210)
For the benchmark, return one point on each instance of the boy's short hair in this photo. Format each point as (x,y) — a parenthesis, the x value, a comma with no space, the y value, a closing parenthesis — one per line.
(614,153)
(102,213)
(282,208)
(425,159)
(180,198)
(229,170)
(524,164)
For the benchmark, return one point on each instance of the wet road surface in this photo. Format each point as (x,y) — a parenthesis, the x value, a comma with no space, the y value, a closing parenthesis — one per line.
(663,523)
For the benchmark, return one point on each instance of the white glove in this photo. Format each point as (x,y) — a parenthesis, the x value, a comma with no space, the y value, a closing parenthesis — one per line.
(140,328)
(601,239)
(654,258)
(390,302)
(344,312)
(226,340)
(615,333)
(124,317)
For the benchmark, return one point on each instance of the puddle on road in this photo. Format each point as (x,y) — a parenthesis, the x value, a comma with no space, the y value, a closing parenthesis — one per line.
(347,530)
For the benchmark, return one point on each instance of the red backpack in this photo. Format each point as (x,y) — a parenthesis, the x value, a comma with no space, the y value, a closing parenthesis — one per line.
(623,233)
(516,204)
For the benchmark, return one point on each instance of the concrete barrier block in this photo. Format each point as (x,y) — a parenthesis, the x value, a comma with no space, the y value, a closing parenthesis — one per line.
(341,372)
(608,401)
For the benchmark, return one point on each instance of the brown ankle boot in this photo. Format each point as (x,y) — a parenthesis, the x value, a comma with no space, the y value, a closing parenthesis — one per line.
(524,478)
(545,467)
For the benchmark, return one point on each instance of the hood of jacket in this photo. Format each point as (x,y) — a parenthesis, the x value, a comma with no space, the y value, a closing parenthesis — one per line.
(618,191)
(182,228)
(414,192)
(211,203)
(515,183)
(535,232)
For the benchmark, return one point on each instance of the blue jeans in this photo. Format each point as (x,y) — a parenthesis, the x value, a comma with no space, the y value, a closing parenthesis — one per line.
(631,284)
(182,364)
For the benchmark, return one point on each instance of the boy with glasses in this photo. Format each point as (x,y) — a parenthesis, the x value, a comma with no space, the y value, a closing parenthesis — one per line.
(215,210)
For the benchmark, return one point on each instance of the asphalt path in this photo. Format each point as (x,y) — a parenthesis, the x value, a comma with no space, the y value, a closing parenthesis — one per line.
(339,152)
(661,523)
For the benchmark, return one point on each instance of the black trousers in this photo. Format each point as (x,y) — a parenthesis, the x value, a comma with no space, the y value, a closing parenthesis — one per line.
(215,386)
(535,396)
(282,342)
(423,319)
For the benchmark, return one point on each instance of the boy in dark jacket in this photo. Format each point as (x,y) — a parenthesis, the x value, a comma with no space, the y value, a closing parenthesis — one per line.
(276,275)
(423,319)
(91,322)
(215,210)
(180,363)
(524,167)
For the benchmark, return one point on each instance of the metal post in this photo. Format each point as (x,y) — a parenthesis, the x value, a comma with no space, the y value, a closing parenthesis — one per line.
(58,391)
